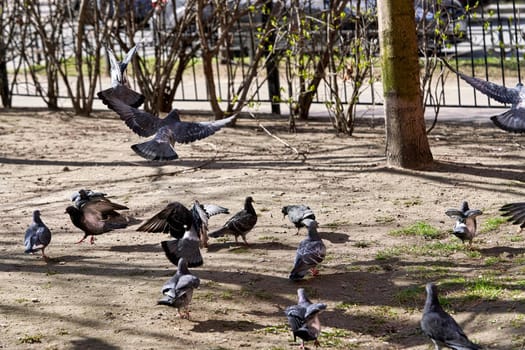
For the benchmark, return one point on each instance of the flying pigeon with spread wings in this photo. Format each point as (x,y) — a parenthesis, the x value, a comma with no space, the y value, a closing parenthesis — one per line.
(166,131)
(512,120)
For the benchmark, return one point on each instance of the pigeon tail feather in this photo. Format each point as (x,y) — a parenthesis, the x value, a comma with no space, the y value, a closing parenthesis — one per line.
(154,150)
(509,121)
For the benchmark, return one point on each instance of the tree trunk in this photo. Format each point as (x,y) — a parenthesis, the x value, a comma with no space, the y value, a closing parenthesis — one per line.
(406,140)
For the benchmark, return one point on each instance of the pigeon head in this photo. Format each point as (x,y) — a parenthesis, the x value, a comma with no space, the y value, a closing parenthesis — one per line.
(310,224)
(432,301)
(75,195)
(182,266)
(71,210)
(249,199)
(464,206)
(301,295)
(36,213)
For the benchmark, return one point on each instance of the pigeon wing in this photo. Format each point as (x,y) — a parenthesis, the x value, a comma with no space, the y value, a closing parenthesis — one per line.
(296,316)
(186,132)
(515,212)
(186,283)
(212,209)
(173,219)
(141,122)
(455,213)
(241,222)
(183,248)
(499,93)
(512,120)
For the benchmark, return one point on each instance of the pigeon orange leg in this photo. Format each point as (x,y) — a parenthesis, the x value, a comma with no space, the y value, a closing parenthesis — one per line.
(82,240)
(314,271)
(92,240)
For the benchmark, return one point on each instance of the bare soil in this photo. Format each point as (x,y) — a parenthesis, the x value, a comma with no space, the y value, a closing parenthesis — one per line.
(103,296)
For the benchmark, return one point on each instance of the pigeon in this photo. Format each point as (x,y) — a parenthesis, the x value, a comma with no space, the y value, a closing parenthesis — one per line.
(167,131)
(310,253)
(82,196)
(297,213)
(119,83)
(204,212)
(97,216)
(512,120)
(178,291)
(239,224)
(440,327)
(175,217)
(515,212)
(466,225)
(187,247)
(37,236)
(303,318)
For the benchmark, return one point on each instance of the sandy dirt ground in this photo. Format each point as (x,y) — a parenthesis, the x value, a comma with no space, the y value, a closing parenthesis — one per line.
(103,296)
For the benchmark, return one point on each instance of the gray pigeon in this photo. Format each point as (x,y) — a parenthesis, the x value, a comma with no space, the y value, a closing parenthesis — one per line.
(37,236)
(187,247)
(303,318)
(82,196)
(440,327)
(178,291)
(119,83)
(175,218)
(297,213)
(310,253)
(515,212)
(239,224)
(466,225)
(97,216)
(512,120)
(167,131)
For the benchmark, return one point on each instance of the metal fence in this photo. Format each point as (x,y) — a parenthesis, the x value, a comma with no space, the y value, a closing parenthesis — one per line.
(491,48)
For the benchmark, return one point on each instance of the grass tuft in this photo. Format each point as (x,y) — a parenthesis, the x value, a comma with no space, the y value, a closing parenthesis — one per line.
(419,228)
(492,224)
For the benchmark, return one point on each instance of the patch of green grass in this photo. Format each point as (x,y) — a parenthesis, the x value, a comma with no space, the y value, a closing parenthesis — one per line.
(385,219)
(343,306)
(485,288)
(227,295)
(518,321)
(333,336)
(432,249)
(21,300)
(419,228)
(480,288)
(410,296)
(516,238)
(240,250)
(31,339)
(388,253)
(426,273)
(493,260)
(412,202)
(277,329)
(362,244)
(492,224)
